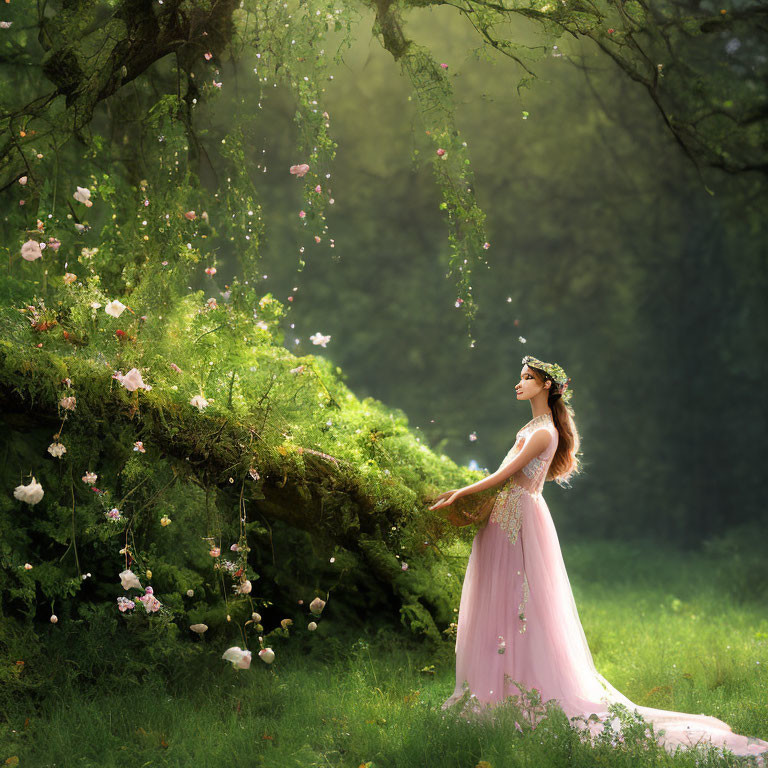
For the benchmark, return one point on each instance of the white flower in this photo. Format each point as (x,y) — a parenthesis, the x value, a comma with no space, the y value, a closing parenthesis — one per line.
(319,339)
(124,604)
(312,626)
(83,195)
(317,605)
(151,603)
(54,618)
(239,658)
(31,250)
(68,403)
(244,588)
(199,402)
(129,579)
(256,617)
(57,450)
(95,305)
(28,566)
(115,308)
(267,655)
(199,628)
(31,493)
(89,478)
(132,380)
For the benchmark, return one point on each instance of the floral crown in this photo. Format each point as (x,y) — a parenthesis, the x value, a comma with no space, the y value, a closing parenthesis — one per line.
(553,371)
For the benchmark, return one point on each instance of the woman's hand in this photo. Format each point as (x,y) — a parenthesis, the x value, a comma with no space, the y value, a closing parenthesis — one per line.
(446,498)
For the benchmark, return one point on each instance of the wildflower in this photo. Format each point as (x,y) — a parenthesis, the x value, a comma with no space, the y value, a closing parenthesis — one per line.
(199,402)
(31,250)
(131,380)
(190,593)
(114,514)
(473,437)
(211,271)
(115,308)
(165,520)
(5,24)
(151,603)
(175,367)
(68,403)
(241,659)
(312,626)
(83,195)
(486,246)
(299,170)
(139,446)
(444,66)
(255,617)
(27,567)
(208,55)
(54,244)
(89,478)
(302,214)
(57,450)
(124,604)
(299,369)
(285,623)
(440,152)
(404,567)
(129,580)
(522,339)
(319,339)
(267,655)
(317,605)
(317,238)
(211,303)
(199,628)
(235,548)
(190,215)
(244,588)
(54,618)
(214,551)
(318,189)
(69,278)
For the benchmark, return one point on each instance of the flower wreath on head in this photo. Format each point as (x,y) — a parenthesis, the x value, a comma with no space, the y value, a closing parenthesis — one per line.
(555,372)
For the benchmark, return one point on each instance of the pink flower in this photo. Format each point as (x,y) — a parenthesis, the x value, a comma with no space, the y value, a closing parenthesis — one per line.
(54,244)
(132,380)
(235,548)
(68,403)
(23,179)
(318,189)
(31,250)
(124,604)
(139,446)
(486,246)
(211,271)
(175,368)
(440,152)
(191,215)
(214,551)
(317,238)
(444,66)
(241,659)
(302,214)
(404,567)
(208,56)
(89,478)
(299,170)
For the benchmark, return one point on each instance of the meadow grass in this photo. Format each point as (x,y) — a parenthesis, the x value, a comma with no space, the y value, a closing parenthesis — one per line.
(662,629)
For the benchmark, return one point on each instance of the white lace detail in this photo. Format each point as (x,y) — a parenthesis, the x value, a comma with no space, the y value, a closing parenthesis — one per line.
(532,467)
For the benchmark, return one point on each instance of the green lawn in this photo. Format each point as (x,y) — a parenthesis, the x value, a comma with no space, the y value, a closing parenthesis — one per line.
(661,628)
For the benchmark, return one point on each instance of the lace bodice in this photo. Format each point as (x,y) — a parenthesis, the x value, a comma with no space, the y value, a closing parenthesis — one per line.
(529,479)
(534,473)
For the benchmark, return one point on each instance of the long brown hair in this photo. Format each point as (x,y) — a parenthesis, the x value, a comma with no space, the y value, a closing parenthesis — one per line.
(565,462)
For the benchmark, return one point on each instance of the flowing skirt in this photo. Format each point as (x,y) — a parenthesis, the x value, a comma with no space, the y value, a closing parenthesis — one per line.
(518,623)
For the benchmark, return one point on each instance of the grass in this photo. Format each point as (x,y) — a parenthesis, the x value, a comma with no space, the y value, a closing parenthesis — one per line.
(662,629)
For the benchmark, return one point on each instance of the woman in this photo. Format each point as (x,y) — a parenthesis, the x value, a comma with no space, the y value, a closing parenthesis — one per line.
(518,622)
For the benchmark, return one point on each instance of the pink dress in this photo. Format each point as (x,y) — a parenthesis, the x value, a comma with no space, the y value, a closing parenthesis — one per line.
(518,620)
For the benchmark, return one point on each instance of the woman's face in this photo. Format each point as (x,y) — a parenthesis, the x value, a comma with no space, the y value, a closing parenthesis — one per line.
(529,386)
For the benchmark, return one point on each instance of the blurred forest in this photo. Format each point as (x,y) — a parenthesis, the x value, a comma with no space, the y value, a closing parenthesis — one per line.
(608,255)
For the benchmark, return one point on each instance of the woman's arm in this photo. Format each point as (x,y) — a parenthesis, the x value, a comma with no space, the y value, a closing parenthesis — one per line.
(537,441)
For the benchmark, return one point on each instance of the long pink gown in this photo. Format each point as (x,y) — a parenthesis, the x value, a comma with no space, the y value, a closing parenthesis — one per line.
(517,599)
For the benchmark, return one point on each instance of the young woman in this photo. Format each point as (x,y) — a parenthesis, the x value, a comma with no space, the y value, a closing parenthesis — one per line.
(517,618)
